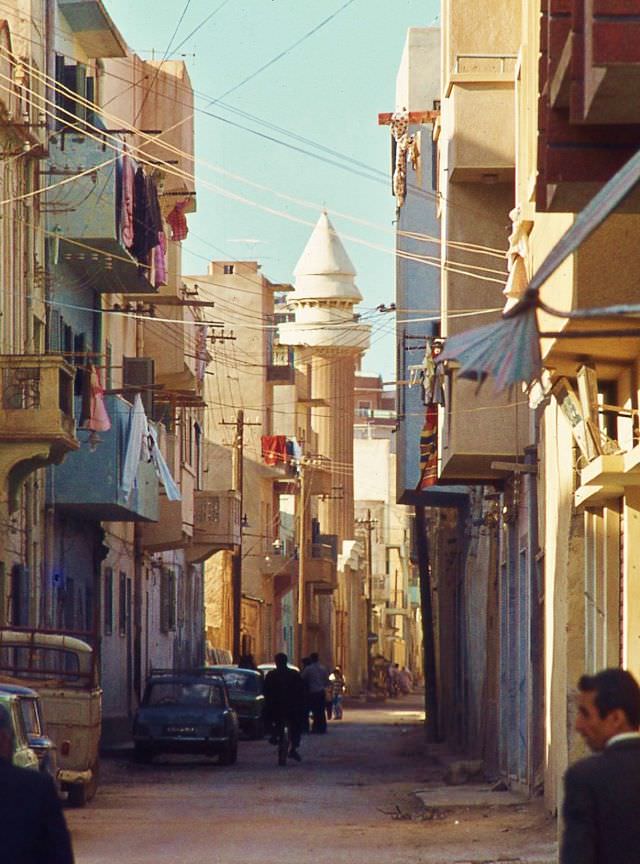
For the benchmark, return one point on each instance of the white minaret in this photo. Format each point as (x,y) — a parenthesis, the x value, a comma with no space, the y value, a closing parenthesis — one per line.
(323,300)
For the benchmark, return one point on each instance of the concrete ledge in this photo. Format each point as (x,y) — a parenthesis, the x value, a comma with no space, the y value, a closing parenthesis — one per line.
(480,795)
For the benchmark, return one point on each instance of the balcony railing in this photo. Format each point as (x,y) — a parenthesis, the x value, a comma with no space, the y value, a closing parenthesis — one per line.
(479,111)
(37,401)
(216,524)
(321,570)
(89,482)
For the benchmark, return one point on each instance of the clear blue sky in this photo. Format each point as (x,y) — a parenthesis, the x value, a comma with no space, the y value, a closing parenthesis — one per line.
(328,90)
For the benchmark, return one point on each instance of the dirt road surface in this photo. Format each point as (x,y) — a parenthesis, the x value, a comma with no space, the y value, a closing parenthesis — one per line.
(350,801)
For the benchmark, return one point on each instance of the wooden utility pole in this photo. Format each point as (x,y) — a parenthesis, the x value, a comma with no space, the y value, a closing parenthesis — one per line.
(302,562)
(236,561)
(236,571)
(368,523)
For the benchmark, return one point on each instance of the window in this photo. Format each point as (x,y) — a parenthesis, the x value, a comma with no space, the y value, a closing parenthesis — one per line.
(229,269)
(167,600)
(122,599)
(363,409)
(108,601)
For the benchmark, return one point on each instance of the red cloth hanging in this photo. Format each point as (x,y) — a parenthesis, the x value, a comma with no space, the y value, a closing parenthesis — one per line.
(429,449)
(178,221)
(274,449)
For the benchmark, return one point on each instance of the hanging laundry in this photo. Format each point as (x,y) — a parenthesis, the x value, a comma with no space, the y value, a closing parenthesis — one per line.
(406,146)
(126,201)
(429,449)
(162,469)
(94,413)
(516,256)
(274,449)
(178,221)
(142,446)
(147,221)
(160,261)
(135,443)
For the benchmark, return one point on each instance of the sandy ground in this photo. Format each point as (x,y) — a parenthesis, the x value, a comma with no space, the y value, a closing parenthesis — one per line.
(350,800)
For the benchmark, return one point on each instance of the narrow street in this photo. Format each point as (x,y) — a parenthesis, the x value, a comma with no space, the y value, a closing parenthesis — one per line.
(352,799)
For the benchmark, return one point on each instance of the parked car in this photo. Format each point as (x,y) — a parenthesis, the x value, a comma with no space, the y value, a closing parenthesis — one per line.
(23,755)
(245,688)
(43,746)
(186,712)
(62,669)
(269,667)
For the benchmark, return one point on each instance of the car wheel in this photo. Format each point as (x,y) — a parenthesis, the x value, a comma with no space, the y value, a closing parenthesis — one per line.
(77,796)
(229,755)
(142,753)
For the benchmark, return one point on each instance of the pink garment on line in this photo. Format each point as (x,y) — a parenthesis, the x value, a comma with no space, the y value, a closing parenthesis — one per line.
(160,260)
(126,215)
(99,420)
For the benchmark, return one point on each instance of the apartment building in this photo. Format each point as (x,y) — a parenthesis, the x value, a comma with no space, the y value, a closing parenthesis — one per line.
(96,544)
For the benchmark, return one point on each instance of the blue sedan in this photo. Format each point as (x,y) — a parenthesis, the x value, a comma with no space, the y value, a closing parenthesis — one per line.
(186,713)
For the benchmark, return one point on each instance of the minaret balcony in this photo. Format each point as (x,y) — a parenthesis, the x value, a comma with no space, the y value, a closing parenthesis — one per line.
(216,524)
(36,422)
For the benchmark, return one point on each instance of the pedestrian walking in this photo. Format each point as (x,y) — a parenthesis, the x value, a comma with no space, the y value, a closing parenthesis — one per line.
(602,792)
(316,679)
(32,826)
(337,685)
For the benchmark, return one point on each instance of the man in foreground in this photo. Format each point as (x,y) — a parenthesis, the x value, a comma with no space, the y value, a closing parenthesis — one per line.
(284,703)
(32,826)
(602,792)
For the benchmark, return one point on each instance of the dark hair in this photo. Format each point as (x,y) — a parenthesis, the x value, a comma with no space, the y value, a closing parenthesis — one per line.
(614,688)
(314,657)
(281,660)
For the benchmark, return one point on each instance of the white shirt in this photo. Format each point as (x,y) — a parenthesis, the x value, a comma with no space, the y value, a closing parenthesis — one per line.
(623,736)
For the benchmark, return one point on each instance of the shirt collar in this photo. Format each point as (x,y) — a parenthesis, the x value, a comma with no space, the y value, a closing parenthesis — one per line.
(623,736)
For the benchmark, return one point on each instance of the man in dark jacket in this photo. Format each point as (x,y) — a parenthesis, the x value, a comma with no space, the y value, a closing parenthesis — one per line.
(602,792)
(32,827)
(284,703)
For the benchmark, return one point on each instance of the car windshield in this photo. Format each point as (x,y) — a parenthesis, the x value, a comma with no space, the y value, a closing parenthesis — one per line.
(30,716)
(196,693)
(242,682)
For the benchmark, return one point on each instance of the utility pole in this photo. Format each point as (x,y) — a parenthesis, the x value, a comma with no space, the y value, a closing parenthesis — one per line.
(368,523)
(302,562)
(236,571)
(236,561)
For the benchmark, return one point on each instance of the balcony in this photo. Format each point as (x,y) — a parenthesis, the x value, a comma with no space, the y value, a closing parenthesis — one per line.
(478,119)
(477,429)
(89,482)
(321,570)
(608,477)
(170,531)
(216,524)
(36,421)
(86,218)
(94,29)
(280,365)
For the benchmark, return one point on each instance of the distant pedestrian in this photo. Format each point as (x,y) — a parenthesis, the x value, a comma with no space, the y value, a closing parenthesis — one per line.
(602,792)
(405,681)
(316,679)
(32,826)
(337,686)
